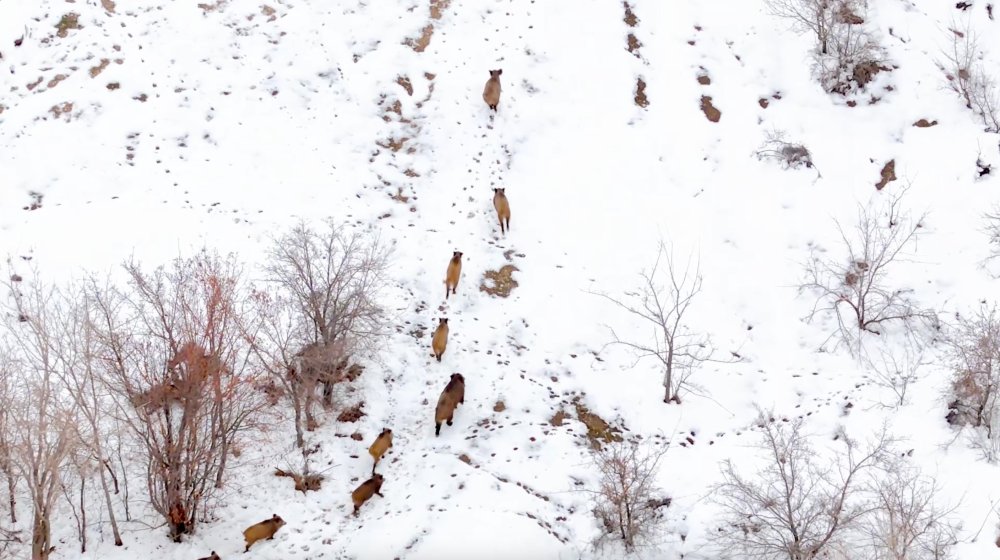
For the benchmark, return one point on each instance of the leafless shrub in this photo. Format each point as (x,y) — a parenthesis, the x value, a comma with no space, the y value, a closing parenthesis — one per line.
(975,350)
(897,370)
(175,356)
(332,280)
(993,233)
(847,57)
(789,154)
(966,74)
(662,300)
(41,419)
(854,287)
(905,520)
(800,505)
(628,503)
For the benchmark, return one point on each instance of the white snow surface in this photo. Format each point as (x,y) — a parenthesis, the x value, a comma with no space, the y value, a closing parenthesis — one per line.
(233,122)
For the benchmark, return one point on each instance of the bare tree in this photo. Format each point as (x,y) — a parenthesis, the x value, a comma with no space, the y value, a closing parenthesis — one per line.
(897,371)
(174,354)
(817,17)
(906,522)
(7,367)
(992,230)
(77,353)
(274,345)
(854,287)
(975,353)
(627,502)
(799,506)
(333,279)
(662,300)
(966,73)
(41,419)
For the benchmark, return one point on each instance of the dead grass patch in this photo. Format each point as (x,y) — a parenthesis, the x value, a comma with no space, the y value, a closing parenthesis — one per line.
(633,45)
(303,483)
(924,123)
(352,414)
(640,93)
(438,7)
(703,79)
(888,174)
(96,70)
(499,282)
(34,84)
(630,19)
(499,407)
(404,82)
(558,418)
(420,43)
(394,144)
(61,109)
(69,21)
(711,113)
(109,5)
(55,81)
(597,429)
(399,196)
(268,12)
(216,7)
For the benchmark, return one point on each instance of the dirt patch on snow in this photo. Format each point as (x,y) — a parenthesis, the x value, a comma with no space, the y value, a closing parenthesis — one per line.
(499,282)
(67,22)
(888,174)
(640,94)
(711,113)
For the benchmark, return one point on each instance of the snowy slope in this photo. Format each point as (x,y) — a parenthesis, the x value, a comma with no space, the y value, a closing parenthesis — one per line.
(221,124)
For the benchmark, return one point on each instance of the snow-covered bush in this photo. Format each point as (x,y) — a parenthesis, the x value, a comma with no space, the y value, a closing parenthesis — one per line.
(975,351)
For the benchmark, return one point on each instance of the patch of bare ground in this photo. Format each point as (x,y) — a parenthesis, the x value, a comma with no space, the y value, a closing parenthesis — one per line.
(499,282)
(62,109)
(640,93)
(888,174)
(108,5)
(597,429)
(437,9)
(634,45)
(215,7)
(69,21)
(703,78)
(352,414)
(499,407)
(268,12)
(404,82)
(96,70)
(303,483)
(55,81)
(711,113)
(924,123)
(630,18)
(34,84)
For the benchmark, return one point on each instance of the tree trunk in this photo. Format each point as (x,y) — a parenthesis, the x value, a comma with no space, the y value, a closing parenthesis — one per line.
(40,535)
(300,439)
(11,493)
(108,504)
(83,515)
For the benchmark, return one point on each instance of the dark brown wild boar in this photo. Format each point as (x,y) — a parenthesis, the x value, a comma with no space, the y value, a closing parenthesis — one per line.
(263,530)
(382,444)
(491,93)
(452,396)
(367,489)
(439,342)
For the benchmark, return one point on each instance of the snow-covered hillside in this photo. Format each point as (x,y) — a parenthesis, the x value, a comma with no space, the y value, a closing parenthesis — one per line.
(151,129)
